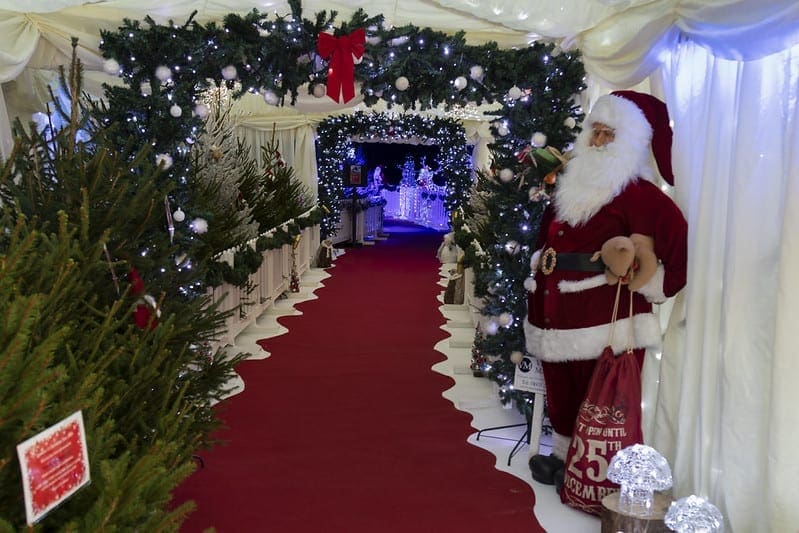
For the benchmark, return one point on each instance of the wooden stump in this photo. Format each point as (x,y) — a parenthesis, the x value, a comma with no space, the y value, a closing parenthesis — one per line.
(614,521)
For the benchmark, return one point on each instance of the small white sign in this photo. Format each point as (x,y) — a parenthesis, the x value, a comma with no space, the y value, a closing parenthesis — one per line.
(529,376)
(55,464)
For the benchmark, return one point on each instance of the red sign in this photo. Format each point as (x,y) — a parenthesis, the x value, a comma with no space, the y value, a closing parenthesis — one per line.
(55,464)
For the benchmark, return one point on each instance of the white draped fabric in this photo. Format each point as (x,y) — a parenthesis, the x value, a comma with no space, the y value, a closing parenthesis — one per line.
(726,411)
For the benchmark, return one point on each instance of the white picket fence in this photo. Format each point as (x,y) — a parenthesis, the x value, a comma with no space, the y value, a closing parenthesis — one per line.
(368,224)
(270,281)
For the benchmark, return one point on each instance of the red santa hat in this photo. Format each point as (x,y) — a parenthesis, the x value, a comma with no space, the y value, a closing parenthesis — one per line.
(638,118)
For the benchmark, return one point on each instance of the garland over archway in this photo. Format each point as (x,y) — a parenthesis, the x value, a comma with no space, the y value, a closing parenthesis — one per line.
(337,134)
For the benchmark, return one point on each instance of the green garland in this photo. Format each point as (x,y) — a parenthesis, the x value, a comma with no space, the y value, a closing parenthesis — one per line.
(247,261)
(337,133)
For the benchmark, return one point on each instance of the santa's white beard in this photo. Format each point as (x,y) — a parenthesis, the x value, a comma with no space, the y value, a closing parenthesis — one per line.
(593,177)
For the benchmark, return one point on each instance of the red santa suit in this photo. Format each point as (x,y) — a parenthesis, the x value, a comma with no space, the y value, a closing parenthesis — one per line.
(604,193)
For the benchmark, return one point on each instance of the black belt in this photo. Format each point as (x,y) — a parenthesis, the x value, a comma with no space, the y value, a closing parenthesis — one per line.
(551,260)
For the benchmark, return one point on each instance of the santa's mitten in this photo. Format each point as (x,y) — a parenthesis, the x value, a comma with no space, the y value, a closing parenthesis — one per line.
(646,262)
(618,256)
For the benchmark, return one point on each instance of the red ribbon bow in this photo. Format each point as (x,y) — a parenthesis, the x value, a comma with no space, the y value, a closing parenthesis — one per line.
(341,69)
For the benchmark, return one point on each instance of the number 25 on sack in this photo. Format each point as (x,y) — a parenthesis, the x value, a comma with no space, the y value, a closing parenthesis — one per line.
(609,420)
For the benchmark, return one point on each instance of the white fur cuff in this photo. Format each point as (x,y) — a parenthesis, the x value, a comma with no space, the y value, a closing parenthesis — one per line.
(583,284)
(653,290)
(580,344)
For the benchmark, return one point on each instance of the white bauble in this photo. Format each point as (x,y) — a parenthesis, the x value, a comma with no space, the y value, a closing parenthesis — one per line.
(516,357)
(229,72)
(539,139)
(512,247)
(490,327)
(111,66)
(202,110)
(460,83)
(175,111)
(503,130)
(506,175)
(570,122)
(319,90)
(505,319)
(145,88)
(178,215)
(398,41)
(199,225)
(270,97)
(515,93)
(476,72)
(374,41)
(402,83)
(163,72)
(163,160)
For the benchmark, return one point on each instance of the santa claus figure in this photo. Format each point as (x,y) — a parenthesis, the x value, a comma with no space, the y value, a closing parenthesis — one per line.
(607,190)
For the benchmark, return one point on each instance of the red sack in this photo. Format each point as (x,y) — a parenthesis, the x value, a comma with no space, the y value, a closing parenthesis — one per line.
(608,421)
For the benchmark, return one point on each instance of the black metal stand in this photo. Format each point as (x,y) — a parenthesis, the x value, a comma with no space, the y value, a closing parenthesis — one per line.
(353,242)
(525,438)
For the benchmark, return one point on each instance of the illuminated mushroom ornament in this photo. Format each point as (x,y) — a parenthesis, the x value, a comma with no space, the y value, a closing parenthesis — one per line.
(640,470)
(693,514)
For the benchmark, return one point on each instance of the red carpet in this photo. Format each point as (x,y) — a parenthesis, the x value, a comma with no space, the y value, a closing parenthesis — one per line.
(344,429)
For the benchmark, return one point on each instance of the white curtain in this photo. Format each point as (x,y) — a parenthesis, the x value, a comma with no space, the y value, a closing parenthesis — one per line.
(726,410)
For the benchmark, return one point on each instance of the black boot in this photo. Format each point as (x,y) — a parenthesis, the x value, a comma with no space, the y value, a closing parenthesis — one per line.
(559,476)
(544,467)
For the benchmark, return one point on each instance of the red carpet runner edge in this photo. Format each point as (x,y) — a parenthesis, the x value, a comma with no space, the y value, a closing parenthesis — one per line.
(344,429)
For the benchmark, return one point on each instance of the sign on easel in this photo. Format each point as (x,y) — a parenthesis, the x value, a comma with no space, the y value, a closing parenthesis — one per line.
(55,465)
(529,376)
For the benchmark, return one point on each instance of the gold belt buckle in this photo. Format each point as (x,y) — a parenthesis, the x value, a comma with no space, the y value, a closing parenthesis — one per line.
(548,261)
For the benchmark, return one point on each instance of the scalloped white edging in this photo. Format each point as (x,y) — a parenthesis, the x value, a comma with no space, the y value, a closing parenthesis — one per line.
(478,397)
(266,325)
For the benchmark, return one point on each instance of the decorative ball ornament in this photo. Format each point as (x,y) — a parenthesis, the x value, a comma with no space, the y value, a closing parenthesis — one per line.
(506,175)
(476,72)
(178,215)
(503,130)
(319,90)
(270,97)
(229,72)
(512,247)
(163,160)
(175,111)
(163,72)
(111,66)
(505,319)
(539,139)
(490,327)
(460,83)
(514,93)
(402,83)
(202,110)
(374,41)
(516,357)
(199,225)
(145,88)
(570,122)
